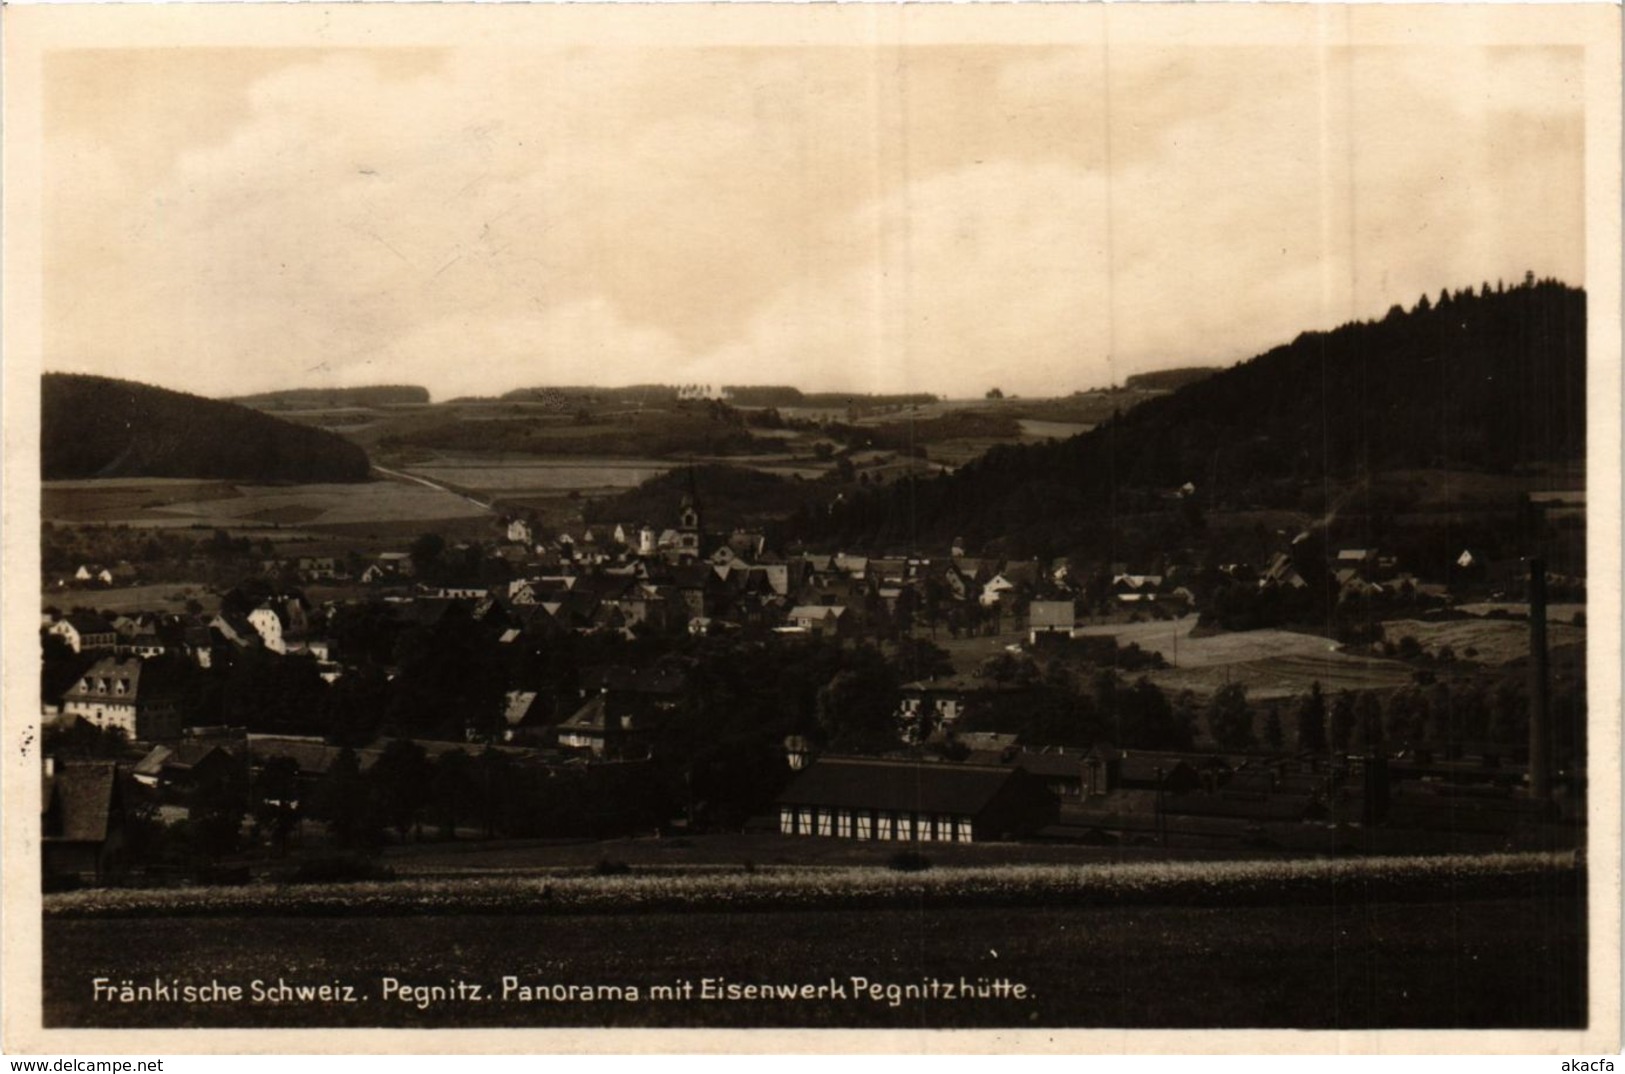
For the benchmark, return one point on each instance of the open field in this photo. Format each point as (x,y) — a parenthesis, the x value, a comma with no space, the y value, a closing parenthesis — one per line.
(1046,430)
(1279,678)
(1487,641)
(1560,612)
(1515,962)
(1176,640)
(125,499)
(541,476)
(155,502)
(1272,663)
(162,597)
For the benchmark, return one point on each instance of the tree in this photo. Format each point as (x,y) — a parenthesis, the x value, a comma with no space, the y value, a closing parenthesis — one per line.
(1368,730)
(857,708)
(83,739)
(1149,722)
(401,784)
(1186,714)
(1006,668)
(425,552)
(342,799)
(275,799)
(1342,720)
(1311,718)
(216,810)
(1274,733)
(452,789)
(1229,720)
(353,707)
(918,659)
(995,393)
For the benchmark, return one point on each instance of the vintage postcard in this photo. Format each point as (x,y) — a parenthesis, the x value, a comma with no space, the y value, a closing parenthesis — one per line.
(797,528)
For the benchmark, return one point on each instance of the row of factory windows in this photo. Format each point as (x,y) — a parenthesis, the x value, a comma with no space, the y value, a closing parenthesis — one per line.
(875,824)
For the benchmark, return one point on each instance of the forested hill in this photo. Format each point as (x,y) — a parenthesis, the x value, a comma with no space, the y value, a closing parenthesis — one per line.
(1484,380)
(328,398)
(1169,379)
(101,427)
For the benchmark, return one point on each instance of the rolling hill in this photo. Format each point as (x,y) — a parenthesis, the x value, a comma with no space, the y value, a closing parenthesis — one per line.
(102,427)
(1485,381)
(328,398)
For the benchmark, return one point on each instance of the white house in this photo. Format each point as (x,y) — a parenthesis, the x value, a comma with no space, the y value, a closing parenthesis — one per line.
(83,631)
(519,531)
(110,695)
(818,618)
(267,623)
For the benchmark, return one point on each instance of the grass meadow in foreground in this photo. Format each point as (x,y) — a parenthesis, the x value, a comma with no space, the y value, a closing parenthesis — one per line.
(1223,884)
(1498,940)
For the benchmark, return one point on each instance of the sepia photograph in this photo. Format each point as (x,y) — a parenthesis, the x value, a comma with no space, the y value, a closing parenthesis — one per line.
(764,519)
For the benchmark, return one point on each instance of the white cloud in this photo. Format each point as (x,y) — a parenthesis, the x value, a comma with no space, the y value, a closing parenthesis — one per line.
(493,218)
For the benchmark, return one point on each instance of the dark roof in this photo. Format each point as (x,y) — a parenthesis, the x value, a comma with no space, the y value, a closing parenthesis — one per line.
(153,763)
(899,785)
(618,677)
(312,756)
(1277,807)
(127,674)
(429,611)
(593,716)
(86,623)
(1039,764)
(960,684)
(78,802)
(1144,767)
(1020,573)
(238,624)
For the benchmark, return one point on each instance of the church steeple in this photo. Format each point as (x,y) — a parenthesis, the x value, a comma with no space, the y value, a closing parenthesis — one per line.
(688,520)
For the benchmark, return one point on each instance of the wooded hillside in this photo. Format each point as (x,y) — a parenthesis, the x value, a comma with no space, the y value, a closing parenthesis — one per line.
(102,427)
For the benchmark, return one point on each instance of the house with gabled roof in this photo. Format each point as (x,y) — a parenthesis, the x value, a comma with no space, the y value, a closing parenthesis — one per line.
(522,710)
(185,764)
(268,622)
(235,628)
(931,708)
(82,820)
(388,567)
(1015,580)
(827,620)
(127,695)
(83,631)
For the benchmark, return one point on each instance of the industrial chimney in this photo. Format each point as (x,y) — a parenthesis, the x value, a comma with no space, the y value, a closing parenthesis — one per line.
(1540,758)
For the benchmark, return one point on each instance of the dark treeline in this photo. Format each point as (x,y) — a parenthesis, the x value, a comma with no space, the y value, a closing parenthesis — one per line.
(731,495)
(101,427)
(699,426)
(320,398)
(1485,380)
(1168,380)
(784,395)
(632,393)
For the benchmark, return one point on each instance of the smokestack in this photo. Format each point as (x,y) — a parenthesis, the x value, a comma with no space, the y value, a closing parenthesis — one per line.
(1540,761)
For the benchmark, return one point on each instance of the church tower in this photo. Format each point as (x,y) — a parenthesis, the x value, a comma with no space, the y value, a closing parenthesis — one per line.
(689,522)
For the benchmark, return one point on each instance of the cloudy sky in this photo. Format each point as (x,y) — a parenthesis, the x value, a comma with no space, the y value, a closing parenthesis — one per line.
(932,218)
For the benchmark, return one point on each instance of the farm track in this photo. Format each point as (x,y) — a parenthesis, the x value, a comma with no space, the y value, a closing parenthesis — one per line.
(401,475)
